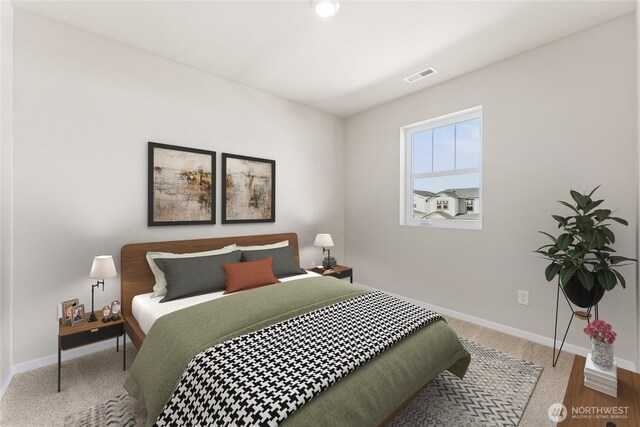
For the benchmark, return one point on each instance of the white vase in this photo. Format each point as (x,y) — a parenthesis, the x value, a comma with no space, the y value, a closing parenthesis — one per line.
(602,354)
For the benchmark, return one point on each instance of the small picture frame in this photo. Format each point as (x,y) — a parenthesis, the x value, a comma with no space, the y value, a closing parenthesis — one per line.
(77,314)
(66,310)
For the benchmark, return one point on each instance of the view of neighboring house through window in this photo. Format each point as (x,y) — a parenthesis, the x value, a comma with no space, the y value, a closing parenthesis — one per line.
(442,167)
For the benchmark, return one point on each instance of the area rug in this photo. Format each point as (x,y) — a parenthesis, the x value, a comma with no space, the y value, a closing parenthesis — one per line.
(121,411)
(494,392)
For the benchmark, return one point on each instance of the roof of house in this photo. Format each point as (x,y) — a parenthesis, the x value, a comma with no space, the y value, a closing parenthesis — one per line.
(458,193)
(463,193)
(423,193)
(448,193)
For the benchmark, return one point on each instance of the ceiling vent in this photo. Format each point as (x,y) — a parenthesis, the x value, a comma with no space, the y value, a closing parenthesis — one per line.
(420,75)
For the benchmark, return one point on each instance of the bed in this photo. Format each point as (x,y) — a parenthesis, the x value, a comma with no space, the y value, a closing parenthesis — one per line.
(368,396)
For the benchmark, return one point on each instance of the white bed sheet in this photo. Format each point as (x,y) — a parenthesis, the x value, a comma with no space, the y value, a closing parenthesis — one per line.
(146,310)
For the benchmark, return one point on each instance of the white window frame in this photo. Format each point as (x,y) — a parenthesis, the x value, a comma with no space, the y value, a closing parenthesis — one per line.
(407,176)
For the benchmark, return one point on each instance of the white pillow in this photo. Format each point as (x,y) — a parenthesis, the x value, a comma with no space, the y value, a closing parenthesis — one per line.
(160,288)
(282,244)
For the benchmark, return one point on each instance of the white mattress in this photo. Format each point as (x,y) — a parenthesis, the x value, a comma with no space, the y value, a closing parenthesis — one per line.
(147,310)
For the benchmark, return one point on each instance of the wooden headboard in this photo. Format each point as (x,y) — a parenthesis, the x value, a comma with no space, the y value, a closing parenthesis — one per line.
(136,276)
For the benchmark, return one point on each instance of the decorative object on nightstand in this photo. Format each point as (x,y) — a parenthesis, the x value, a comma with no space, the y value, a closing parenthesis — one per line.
(115,310)
(77,314)
(326,242)
(602,339)
(338,271)
(102,268)
(106,313)
(66,310)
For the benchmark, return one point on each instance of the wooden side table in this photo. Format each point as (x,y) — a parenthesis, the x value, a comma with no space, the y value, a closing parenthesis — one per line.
(587,407)
(72,336)
(339,271)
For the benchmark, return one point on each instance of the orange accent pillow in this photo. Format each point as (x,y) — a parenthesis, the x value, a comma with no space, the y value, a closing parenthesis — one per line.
(248,275)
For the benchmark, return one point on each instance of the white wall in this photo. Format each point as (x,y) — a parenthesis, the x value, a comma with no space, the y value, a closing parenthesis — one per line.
(556,118)
(6,144)
(84,110)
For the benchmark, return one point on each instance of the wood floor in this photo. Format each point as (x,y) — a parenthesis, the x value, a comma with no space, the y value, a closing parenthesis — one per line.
(587,407)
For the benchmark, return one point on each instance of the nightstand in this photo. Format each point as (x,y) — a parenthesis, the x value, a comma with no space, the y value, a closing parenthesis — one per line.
(72,336)
(339,271)
(578,396)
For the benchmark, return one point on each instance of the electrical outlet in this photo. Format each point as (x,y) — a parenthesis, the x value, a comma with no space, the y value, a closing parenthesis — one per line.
(523,297)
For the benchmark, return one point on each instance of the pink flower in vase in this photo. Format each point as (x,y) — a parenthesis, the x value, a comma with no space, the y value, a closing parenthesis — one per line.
(600,331)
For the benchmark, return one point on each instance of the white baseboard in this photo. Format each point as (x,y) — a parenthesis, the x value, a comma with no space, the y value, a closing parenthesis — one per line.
(53,359)
(571,348)
(4,382)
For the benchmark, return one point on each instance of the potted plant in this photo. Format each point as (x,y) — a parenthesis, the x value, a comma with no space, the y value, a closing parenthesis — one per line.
(581,255)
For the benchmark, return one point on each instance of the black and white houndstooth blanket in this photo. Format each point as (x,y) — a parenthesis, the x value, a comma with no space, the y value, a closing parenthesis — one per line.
(260,378)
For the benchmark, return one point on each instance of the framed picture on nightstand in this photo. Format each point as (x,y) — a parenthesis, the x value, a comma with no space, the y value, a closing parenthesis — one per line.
(66,310)
(77,314)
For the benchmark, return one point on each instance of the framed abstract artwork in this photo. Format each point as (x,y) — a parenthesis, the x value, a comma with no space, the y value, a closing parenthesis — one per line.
(249,190)
(181,185)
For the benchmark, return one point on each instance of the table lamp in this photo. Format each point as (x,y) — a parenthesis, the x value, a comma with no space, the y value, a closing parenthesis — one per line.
(326,242)
(102,268)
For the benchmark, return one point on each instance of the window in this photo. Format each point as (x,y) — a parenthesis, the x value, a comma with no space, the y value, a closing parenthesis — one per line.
(469,205)
(441,160)
(442,204)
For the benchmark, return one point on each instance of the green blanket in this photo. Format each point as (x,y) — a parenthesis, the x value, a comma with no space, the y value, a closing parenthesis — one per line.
(364,397)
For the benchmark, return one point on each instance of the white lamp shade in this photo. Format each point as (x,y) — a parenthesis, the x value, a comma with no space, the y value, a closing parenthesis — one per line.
(323,240)
(103,267)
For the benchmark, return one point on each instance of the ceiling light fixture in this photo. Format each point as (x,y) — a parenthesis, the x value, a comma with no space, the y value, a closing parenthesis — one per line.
(324,8)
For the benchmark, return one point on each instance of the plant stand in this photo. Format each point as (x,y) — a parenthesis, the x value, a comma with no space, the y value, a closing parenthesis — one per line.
(574,313)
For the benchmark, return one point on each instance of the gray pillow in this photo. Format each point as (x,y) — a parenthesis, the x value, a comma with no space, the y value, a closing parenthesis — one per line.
(187,277)
(284,263)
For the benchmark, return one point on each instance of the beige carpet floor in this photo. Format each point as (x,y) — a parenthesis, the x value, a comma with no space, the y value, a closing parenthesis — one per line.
(32,399)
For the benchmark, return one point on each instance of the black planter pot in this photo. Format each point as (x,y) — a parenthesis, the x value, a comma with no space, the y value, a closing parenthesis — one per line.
(580,296)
